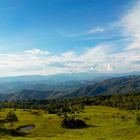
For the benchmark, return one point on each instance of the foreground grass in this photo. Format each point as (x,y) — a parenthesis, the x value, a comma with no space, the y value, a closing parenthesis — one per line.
(105,123)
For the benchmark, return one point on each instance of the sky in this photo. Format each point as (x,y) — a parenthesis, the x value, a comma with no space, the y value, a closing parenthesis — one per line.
(43,37)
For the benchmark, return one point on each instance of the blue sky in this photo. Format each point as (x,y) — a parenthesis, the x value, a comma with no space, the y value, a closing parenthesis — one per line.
(48,24)
(47,32)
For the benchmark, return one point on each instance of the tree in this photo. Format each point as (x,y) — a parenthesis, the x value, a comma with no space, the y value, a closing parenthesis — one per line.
(11,118)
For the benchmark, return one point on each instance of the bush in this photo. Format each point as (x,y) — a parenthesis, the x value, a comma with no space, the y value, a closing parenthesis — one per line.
(73,123)
(11,117)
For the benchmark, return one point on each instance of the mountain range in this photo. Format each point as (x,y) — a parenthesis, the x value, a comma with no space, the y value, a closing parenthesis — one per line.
(66,86)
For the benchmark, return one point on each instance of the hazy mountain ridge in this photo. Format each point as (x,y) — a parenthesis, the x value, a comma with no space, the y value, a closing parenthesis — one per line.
(118,85)
(51,82)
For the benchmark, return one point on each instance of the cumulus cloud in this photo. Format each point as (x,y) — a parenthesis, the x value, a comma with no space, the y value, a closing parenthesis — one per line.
(131,25)
(96,59)
(103,58)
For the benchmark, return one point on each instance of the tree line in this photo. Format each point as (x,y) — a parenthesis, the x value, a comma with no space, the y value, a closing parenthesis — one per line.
(127,101)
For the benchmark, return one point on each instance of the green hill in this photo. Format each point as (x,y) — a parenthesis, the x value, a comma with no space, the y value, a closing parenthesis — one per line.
(105,123)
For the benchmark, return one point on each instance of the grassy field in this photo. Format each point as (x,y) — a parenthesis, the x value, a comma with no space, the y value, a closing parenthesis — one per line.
(105,123)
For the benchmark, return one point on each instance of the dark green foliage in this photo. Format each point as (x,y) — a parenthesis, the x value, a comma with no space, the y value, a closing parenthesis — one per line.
(17,133)
(12,132)
(72,106)
(11,117)
(72,123)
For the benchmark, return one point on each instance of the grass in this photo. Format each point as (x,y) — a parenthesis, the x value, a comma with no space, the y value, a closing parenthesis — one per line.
(105,123)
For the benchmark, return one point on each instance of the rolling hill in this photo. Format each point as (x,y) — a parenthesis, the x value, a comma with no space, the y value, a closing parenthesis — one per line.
(51,82)
(118,85)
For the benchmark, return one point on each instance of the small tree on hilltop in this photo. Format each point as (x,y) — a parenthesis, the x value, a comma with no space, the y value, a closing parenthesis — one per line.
(11,118)
(70,121)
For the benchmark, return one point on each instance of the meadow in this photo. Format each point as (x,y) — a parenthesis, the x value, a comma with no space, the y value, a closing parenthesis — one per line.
(104,123)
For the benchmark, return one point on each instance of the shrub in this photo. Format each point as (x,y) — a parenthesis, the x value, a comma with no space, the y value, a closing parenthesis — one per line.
(11,117)
(73,123)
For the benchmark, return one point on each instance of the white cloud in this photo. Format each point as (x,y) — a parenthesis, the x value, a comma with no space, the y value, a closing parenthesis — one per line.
(37,52)
(95,30)
(102,58)
(89,32)
(131,25)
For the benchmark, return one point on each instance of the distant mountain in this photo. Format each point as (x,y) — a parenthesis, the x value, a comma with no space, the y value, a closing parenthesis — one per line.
(10,87)
(54,78)
(26,94)
(52,82)
(119,85)
(63,77)
(44,83)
